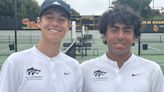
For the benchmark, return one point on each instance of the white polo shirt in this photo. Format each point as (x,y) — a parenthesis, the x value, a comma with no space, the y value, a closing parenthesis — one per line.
(32,71)
(136,75)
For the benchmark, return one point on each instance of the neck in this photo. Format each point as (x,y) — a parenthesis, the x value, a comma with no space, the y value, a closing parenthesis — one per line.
(119,59)
(49,49)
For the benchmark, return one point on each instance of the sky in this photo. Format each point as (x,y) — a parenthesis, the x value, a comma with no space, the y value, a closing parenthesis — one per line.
(97,7)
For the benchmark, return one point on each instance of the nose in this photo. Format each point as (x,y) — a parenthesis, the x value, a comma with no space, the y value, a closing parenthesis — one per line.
(54,23)
(120,34)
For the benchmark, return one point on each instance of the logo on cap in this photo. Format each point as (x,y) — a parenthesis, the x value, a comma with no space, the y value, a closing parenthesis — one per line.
(56,3)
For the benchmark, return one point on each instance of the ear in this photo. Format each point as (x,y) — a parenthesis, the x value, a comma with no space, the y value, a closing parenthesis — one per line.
(104,37)
(38,20)
(69,25)
(134,40)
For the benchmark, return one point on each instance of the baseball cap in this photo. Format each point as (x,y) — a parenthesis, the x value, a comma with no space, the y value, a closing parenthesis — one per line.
(55,3)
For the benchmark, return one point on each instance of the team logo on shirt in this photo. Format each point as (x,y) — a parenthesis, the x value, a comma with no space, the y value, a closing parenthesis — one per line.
(33,74)
(32,71)
(100,75)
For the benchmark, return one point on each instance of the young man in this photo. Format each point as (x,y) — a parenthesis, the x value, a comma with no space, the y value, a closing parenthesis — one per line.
(44,68)
(119,70)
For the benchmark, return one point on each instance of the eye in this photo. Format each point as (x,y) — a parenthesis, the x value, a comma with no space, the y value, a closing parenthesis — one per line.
(62,18)
(50,17)
(128,30)
(113,29)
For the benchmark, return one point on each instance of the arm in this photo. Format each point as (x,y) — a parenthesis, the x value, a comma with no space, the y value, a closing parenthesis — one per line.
(8,80)
(158,81)
(79,80)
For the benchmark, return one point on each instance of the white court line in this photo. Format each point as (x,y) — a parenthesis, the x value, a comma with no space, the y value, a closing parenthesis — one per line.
(154,48)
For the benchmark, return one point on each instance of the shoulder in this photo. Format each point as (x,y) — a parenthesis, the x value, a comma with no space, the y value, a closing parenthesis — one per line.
(95,62)
(90,62)
(146,61)
(19,55)
(14,64)
(16,57)
(151,65)
(68,58)
(69,61)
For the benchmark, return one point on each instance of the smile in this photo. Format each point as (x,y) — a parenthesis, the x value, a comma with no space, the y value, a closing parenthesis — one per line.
(120,43)
(54,31)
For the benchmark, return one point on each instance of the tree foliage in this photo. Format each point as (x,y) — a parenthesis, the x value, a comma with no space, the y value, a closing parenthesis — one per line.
(74,12)
(140,6)
(25,8)
(6,8)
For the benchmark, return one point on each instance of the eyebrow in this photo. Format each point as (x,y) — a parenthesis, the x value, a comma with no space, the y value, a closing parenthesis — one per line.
(114,26)
(129,27)
(50,13)
(126,27)
(47,13)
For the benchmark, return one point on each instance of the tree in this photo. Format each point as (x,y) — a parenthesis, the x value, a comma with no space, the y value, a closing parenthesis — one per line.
(6,8)
(74,12)
(25,8)
(29,8)
(140,6)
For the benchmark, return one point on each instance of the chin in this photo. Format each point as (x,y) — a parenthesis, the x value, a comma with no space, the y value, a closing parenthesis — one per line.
(122,53)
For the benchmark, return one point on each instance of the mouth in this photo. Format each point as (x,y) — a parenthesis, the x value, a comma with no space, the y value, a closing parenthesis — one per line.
(120,45)
(54,31)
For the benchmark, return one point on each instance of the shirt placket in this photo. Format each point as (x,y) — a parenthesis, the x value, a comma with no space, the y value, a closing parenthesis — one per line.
(53,78)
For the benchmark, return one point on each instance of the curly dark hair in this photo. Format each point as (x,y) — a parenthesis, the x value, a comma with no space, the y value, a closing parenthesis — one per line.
(120,14)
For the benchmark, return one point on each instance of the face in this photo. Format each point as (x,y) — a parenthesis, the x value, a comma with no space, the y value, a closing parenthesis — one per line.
(119,39)
(53,24)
